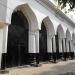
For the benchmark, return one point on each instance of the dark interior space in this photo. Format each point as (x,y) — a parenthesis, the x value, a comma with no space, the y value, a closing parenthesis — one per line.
(43,43)
(57,46)
(17,48)
(63,52)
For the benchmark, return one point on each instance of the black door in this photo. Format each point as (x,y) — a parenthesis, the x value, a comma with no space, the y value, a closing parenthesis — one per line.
(17,48)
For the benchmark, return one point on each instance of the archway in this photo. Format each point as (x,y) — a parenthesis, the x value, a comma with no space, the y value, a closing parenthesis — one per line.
(27,15)
(48,39)
(43,42)
(69,44)
(68,38)
(60,42)
(17,48)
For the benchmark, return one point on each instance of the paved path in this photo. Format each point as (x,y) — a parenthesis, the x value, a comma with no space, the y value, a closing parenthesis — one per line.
(61,68)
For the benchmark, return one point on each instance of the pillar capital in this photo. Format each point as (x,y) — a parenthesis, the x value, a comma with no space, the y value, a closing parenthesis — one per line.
(3,24)
(50,36)
(34,32)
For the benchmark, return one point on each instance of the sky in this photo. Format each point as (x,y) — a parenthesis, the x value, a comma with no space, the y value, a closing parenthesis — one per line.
(70,14)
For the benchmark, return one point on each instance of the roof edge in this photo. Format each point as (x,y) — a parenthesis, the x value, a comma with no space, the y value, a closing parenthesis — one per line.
(50,5)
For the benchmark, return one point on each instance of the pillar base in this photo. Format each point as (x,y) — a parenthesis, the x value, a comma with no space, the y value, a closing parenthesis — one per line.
(4,71)
(36,65)
(52,56)
(3,61)
(72,55)
(67,55)
(47,56)
(44,56)
(34,59)
(59,55)
(28,58)
(64,56)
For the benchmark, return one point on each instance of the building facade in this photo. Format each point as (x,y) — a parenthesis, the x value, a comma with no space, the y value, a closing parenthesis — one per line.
(34,31)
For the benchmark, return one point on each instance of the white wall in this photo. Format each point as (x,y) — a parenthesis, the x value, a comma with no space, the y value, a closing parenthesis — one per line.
(3,9)
(7,7)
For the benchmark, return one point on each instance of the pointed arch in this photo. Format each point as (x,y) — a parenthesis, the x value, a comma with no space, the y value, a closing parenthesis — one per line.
(68,34)
(49,26)
(60,32)
(23,22)
(29,14)
(49,34)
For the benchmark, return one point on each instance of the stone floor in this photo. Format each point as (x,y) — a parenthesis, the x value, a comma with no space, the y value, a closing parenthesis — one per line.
(47,68)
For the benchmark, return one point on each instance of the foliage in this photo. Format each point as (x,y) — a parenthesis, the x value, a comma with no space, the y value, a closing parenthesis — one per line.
(63,3)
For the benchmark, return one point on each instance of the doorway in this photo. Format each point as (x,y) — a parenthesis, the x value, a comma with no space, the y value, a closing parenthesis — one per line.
(43,43)
(17,46)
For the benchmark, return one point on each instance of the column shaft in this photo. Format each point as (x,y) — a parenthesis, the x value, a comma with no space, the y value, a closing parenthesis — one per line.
(54,45)
(3,46)
(64,45)
(49,44)
(37,41)
(49,47)
(54,49)
(60,45)
(64,49)
(5,37)
(67,45)
(37,46)
(32,48)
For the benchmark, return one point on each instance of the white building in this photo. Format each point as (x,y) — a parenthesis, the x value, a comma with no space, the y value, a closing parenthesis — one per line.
(34,30)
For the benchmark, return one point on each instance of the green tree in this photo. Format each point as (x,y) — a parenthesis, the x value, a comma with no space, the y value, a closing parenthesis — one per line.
(63,3)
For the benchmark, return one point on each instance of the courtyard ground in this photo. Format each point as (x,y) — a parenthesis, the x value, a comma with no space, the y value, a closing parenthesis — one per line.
(60,68)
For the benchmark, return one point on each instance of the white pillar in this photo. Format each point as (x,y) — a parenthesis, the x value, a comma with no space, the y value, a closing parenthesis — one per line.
(1,39)
(5,38)
(71,45)
(49,44)
(64,45)
(67,45)
(60,45)
(32,48)
(54,44)
(37,41)
(34,41)
(1,43)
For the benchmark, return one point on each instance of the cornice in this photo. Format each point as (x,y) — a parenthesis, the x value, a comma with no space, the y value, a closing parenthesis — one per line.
(49,5)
